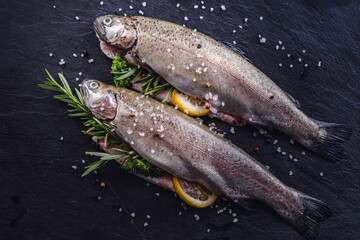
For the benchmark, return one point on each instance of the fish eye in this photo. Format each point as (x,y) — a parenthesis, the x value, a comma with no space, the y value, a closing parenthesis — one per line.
(107,20)
(93,85)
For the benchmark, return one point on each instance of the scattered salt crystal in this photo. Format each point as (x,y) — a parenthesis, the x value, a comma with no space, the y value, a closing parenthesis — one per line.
(82,55)
(120,209)
(263,40)
(194,79)
(145,224)
(80,73)
(280,64)
(291,65)
(278,149)
(144,4)
(99,198)
(235,220)
(102,3)
(196,6)
(62,62)
(129,131)
(180,213)
(186,18)
(203,7)
(306,65)
(141,134)
(132,142)
(254,134)
(197,217)
(304,51)
(288,55)
(202,2)
(292,141)
(54,6)
(77,18)
(303,153)
(277,47)
(261,18)
(240,27)
(74,55)
(131,7)
(169,50)
(291,173)
(208,230)
(319,64)
(152,151)
(299,59)
(141,12)
(234,215)
(215,97)
(91,60)
(282,48)
(283,153)
(201,17)
(321,174)
(50,54)
(82,161)
(178,5)
(74,167)
(234,31)
(275,141)
(232,130)
(246,19)
(290,156)
(223,7)
(120,9)
(157,194)
(132,214)
(234,42)
(61,138)
(147,184)
(211,9)
(295,160)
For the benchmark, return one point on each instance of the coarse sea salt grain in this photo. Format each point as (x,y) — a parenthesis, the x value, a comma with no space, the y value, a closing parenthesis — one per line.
(144,4)
(262,40)
(321,174)
(157,194)
(291,173)
(223,7)
(246,19)
(232,130)
(141,12)
(91,60)
(102,3)
(74,167)
(132,214)
(196,6)
(275,141)
(211,9)
(131,7)
(292,141)
(50,54)
(80,73)
(82,161)
(77,18)
(186,18)
(280,64)
(261,18)
(319,64)
(235,220)
(201,17)
(178,5)
(74,55)
(145,224)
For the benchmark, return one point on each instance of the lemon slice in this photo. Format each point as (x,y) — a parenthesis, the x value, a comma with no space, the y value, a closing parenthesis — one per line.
(190,105)
(193,194)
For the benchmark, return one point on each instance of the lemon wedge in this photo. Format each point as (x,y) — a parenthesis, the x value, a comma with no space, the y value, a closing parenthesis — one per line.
(193,194)
(190,105)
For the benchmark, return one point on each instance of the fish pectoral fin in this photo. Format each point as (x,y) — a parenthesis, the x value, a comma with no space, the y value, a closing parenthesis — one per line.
(296,102)
(109,51)
(246,203)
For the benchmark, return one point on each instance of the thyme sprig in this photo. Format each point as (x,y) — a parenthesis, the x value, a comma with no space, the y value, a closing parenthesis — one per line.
(134,162)
(124,74)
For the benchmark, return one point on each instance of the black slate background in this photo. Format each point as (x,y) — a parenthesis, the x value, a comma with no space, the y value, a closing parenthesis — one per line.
(43,197)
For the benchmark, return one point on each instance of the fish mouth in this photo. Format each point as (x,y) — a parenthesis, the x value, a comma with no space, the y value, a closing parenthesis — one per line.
(83,90)
(99,31)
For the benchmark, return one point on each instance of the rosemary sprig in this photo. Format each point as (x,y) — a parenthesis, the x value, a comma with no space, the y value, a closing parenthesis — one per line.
(124,74)
(96,127)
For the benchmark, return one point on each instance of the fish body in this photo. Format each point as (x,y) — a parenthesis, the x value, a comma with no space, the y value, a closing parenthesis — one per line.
(183,147)
(200,66)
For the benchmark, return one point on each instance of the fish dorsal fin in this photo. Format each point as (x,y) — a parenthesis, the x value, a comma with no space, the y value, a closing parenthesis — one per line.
(235,49)
(296,102)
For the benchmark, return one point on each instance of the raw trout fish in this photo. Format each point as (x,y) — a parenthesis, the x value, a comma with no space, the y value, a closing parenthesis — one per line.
(183,147)
(201,67)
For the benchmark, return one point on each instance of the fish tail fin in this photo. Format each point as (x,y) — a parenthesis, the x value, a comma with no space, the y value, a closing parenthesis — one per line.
(330,140)
(307,222)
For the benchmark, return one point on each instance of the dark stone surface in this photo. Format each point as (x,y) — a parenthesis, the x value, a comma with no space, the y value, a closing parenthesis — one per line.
(43,197)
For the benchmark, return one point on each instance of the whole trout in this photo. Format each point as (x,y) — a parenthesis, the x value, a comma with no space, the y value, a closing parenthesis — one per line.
(200,66)
(183,147)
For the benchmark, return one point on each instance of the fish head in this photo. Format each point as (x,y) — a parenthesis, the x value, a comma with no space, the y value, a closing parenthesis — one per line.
(116,31)
(99,98)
